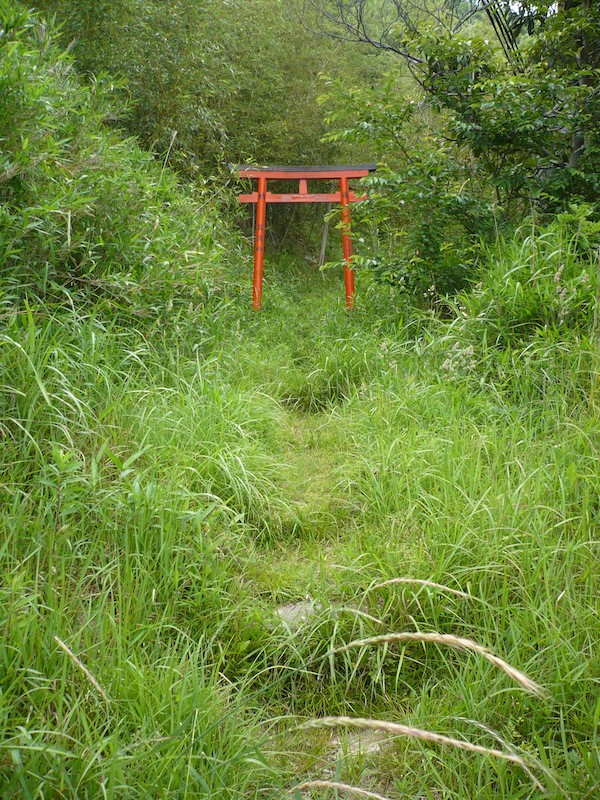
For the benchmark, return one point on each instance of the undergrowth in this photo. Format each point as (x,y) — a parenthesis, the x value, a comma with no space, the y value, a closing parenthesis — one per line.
(172,475)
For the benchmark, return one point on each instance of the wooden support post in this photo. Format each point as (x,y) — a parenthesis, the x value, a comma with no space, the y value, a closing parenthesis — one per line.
(347,243)
(259,242)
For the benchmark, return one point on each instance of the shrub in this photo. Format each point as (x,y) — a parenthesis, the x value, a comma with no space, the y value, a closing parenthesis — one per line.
(84,210)
(542,278)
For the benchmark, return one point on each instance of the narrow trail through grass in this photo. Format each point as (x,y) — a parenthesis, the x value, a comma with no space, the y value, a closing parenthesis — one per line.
(303,317)
(420,491)
(289,353)
(395,468)
(312,451)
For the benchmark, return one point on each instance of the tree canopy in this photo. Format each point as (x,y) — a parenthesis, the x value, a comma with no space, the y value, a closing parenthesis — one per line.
(532,116)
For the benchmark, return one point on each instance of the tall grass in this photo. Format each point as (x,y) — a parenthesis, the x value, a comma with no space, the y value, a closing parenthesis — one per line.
(146,515)
(118,558)
(170,474)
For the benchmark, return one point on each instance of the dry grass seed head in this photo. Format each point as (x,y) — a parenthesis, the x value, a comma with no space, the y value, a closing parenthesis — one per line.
(422,735)
(458,643)
(421,582)
(342,787)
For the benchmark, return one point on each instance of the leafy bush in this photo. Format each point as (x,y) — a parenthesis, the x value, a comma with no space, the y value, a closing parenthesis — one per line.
(427,208)
(210,82)
(530,123)
(516,84)
(83,209)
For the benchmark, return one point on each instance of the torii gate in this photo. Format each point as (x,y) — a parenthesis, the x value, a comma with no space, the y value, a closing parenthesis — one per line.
(302,174)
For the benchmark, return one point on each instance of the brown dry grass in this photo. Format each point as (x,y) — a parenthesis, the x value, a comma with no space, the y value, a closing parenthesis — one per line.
(422,735)
(343,787)
(458,643)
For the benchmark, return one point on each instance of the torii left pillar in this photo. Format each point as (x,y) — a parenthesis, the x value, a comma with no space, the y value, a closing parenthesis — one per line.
(259,243)
(261,197)
(347,242)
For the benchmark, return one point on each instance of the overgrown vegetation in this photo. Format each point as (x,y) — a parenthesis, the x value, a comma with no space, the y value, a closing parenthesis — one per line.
(195,74)
(229,541)
(499,122)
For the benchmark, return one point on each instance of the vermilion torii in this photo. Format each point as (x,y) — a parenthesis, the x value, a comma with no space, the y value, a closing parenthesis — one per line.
(302,174)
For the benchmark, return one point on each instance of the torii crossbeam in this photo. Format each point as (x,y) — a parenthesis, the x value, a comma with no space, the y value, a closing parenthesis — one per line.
(302,174)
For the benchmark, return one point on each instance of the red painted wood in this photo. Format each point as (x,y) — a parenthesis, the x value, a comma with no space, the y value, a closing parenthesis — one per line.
(302,175)
(259,243)
(347,243)
(271,197)
(280,173)
(297,171)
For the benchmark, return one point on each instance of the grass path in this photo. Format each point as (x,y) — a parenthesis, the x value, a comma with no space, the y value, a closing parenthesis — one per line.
(311,445)
(314,449)
(297,341)
(395,472)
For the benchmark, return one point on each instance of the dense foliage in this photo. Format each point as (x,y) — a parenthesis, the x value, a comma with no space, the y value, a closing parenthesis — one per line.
(505,123)
(518,82)
(219,529)
(214,82)
(429,205)
(83,209)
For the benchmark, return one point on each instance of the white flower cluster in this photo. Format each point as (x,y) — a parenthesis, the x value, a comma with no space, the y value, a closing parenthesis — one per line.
(459,361)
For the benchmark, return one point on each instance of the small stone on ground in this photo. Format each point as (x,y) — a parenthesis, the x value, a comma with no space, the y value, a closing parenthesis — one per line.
(294,614)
